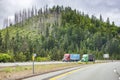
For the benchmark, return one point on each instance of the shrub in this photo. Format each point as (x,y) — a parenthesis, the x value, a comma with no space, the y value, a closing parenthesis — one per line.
(42,59)
(5,58)
(20,57)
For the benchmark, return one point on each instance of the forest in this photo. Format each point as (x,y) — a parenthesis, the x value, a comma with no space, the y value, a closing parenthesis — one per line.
(52,32)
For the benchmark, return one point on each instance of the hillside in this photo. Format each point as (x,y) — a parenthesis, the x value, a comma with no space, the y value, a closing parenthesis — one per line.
(54,31)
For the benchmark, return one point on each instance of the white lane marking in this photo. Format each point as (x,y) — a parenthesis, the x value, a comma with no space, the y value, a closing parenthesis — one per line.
(115,70)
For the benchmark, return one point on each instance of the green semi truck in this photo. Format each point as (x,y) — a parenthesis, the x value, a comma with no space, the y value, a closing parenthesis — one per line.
(88,57)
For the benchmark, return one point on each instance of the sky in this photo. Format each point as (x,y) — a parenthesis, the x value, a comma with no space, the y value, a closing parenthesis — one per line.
(107,8)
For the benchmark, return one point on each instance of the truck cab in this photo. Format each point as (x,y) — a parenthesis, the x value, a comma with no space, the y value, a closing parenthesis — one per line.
(88,57)
(84,58)
(66,58)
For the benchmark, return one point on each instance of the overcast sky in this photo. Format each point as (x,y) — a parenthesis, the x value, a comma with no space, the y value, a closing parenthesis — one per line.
(107,8)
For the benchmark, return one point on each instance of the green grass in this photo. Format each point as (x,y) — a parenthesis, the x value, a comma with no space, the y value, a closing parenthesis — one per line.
(42,67)
(16,69)
(85,62)
(38,67)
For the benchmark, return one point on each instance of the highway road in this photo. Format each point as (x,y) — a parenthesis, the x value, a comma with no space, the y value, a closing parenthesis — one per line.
(105,71)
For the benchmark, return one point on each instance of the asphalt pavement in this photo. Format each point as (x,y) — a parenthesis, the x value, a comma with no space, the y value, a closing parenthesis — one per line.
(104,71)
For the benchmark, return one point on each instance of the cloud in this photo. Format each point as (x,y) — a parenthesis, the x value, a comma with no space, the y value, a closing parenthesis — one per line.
(107,8)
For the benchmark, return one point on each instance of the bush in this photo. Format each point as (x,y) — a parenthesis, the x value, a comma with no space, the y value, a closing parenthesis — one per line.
(20,57)
(5,58)
(42,59)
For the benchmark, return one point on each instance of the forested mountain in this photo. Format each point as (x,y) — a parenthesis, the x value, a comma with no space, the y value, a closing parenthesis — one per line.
(52,32)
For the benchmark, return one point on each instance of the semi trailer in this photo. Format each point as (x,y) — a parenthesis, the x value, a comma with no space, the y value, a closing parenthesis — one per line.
(71,57)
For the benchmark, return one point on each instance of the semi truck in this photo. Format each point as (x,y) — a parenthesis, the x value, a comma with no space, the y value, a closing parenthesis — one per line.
(71,57)
(88,57)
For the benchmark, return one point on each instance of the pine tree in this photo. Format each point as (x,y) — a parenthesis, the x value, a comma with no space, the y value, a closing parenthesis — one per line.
(108,22)
(7,40)
(1,41)
(101,19)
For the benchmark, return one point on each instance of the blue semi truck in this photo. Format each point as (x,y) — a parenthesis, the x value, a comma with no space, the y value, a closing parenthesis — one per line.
(71,57)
